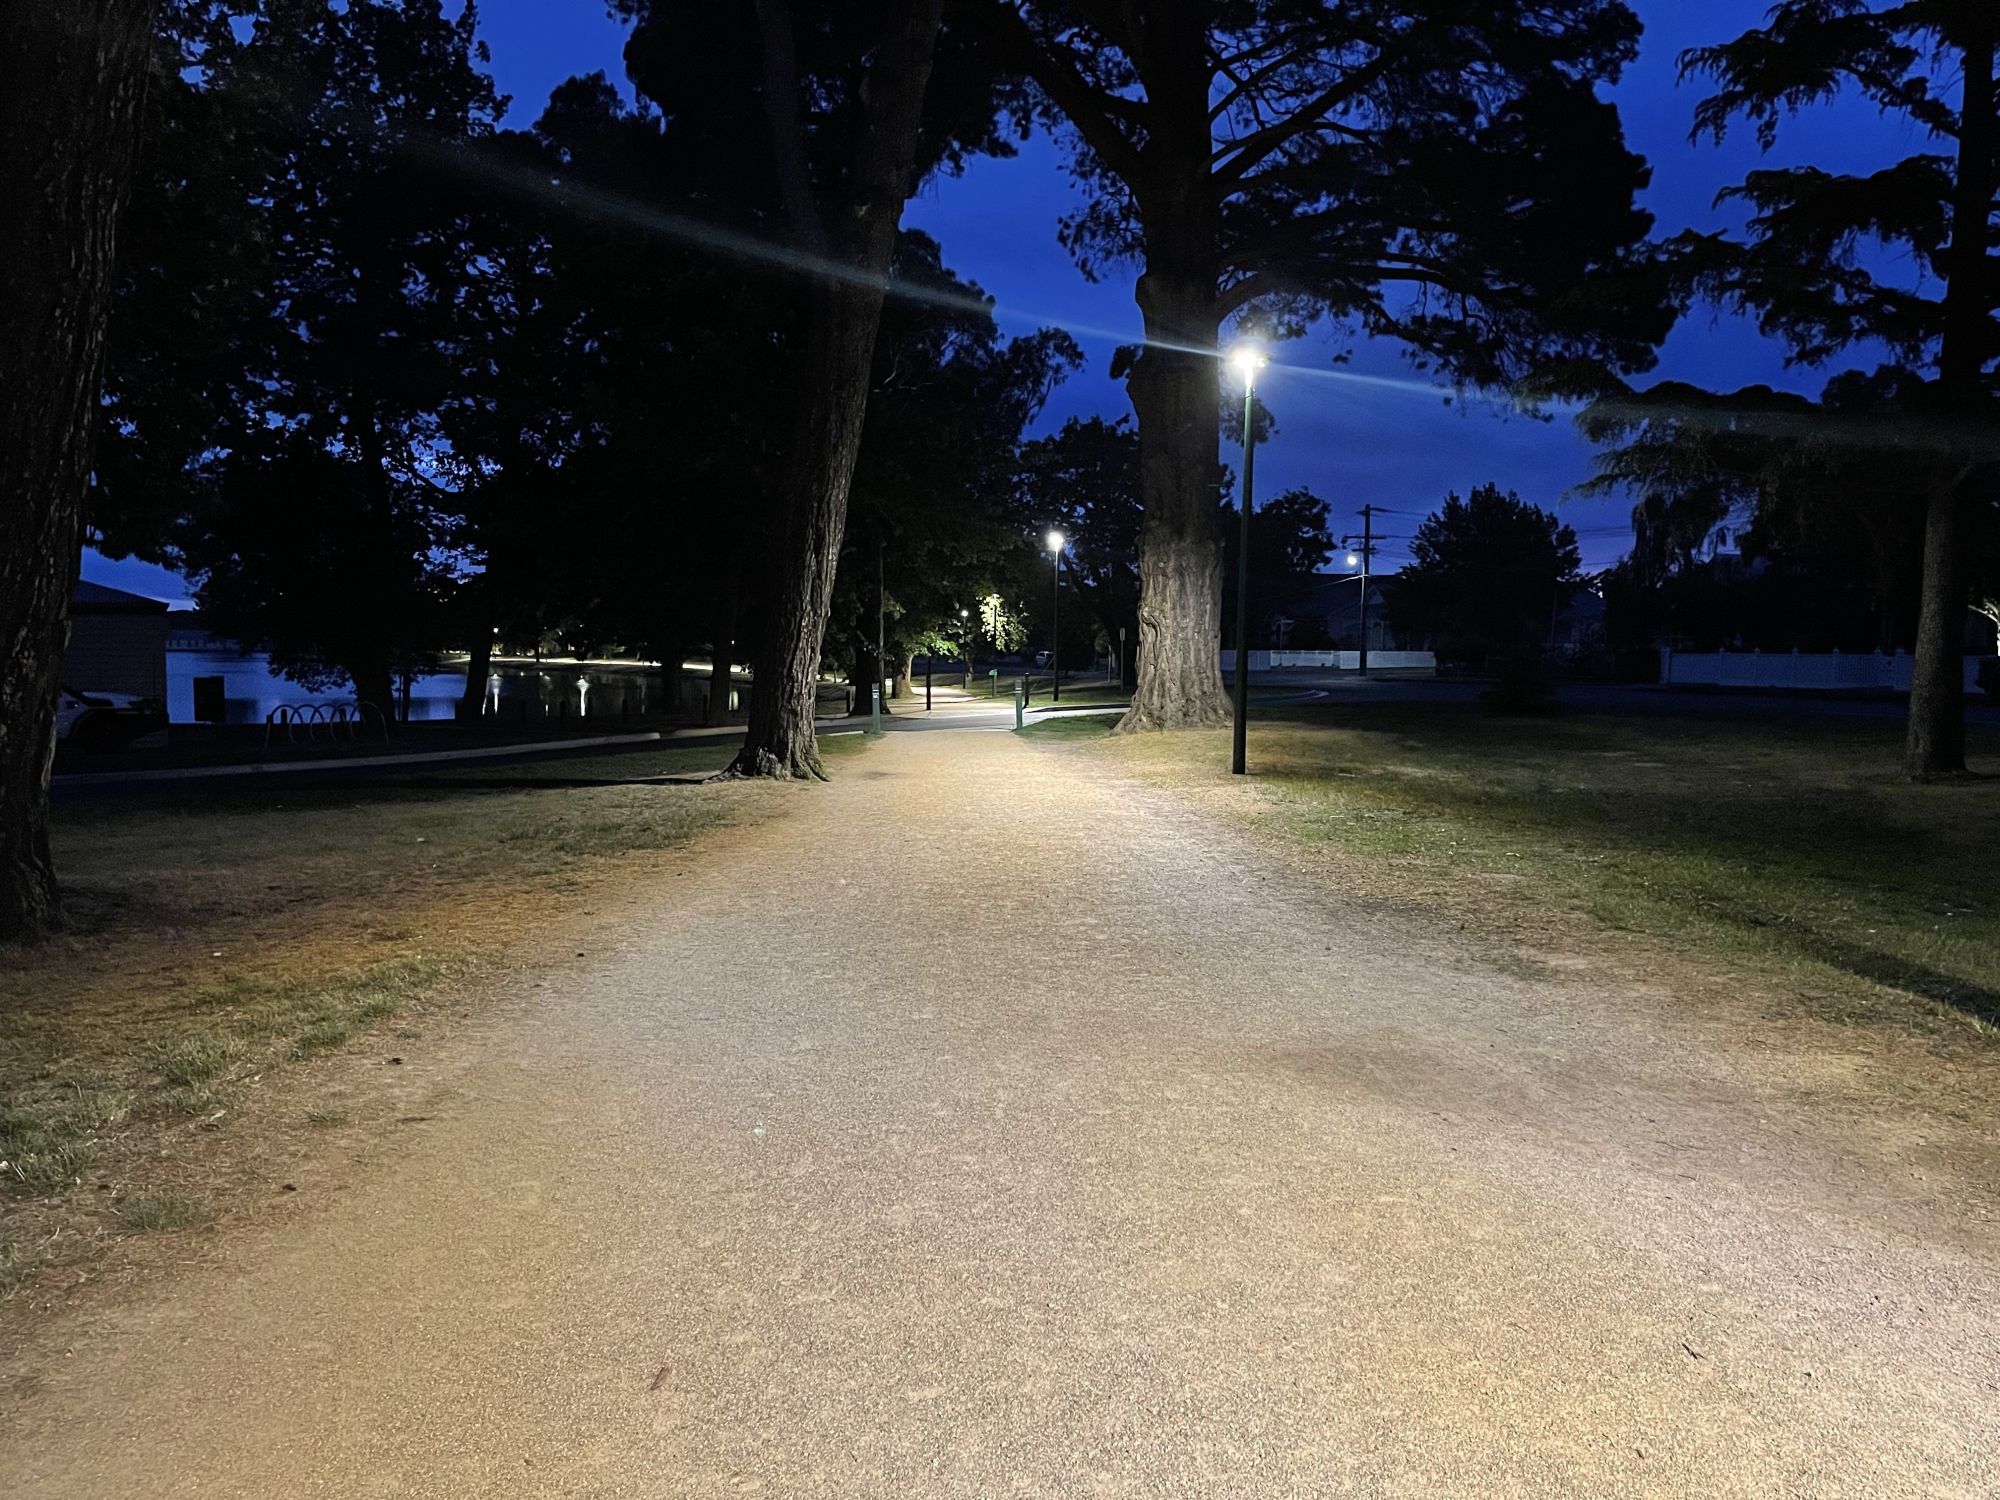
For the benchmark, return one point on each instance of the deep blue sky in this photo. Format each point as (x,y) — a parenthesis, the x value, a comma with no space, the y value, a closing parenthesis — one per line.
(1399,446)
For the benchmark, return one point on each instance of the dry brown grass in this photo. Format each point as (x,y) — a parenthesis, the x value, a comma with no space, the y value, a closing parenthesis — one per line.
(223,936)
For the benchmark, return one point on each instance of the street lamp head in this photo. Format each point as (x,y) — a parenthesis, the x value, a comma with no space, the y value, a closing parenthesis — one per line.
(1053,541)
(1246,360)
(1353,561)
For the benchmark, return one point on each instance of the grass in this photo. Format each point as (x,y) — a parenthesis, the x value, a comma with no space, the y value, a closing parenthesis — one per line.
(1792,840)
(153,1213)
(221,934)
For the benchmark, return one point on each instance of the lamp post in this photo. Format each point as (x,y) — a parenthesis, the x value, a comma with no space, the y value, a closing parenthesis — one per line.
(965,636)
(1246,361)
(1055,545)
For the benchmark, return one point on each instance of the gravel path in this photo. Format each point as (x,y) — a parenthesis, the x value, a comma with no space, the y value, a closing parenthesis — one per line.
(993,1126)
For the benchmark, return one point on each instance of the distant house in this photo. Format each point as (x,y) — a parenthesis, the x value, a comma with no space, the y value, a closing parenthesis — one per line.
(1328,616)
(1579,628)
(117,643)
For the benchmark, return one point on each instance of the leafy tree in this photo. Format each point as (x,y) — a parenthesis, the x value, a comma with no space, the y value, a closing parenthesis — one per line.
(1487,574)
(1000,624)
(817,117)
(1804,271)
(1289,544)
(1836,486)
(73,79)
(613,428)
(932,481)
(1084,479)
(329,350)
(1444,174)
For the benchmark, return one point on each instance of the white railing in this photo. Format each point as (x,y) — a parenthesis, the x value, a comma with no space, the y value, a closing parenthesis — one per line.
(1813,671)
(1342,661)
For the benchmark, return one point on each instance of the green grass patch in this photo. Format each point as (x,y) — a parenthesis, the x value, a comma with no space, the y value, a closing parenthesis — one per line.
(1069,726)
(198,1057)
(1787,838)
(163,1212)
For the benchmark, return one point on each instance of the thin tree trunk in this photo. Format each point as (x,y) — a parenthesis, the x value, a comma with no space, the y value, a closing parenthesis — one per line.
(858,670)
(1935,745)
(72,87)
(905,672)
(723,630)
(478,667)
(843,318)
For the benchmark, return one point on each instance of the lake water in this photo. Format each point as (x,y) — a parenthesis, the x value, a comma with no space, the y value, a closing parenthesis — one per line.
(613,692)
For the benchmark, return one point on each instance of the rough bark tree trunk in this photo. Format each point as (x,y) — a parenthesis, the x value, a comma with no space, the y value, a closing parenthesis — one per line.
(844,315)
(905,670)
(374,683)
(1935,745)
(72,86)
(478,667)
(1173,392)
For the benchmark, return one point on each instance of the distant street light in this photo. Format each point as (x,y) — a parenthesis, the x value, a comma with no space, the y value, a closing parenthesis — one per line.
(1054,541)
(1246,360)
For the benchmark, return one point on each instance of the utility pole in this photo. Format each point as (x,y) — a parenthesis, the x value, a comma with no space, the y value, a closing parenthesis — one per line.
(1366,552)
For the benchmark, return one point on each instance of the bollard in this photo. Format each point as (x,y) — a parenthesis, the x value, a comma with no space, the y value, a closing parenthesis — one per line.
(1020,700)
(875,709)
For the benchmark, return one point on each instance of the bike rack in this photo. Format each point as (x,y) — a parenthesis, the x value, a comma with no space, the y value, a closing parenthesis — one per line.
(325,723)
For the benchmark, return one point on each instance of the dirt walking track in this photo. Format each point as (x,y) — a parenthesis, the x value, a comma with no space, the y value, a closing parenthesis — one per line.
(1038,1135)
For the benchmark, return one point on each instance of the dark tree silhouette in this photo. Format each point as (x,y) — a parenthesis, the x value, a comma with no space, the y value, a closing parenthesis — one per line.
(1443,174)
(1486,576)
(1803,271)
(72,92)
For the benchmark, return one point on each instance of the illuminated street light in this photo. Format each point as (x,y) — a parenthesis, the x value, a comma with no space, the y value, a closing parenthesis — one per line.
(1054,542)
(1246,360)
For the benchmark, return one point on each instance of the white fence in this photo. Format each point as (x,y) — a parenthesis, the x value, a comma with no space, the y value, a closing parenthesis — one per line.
(1820,671)
(1344,661)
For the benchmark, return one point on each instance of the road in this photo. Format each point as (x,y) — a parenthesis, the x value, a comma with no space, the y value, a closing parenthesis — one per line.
(1176,1174)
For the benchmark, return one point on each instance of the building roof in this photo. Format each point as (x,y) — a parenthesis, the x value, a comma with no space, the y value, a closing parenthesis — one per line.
(99,599)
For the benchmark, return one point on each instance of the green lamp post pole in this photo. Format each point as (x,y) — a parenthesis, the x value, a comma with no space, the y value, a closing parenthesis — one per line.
(1246,361)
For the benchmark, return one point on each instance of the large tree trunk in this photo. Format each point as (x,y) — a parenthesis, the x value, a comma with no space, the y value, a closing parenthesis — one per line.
(1174,393)
(374,683)
(1936,741)
(905,671)
(780,742)
(72,86)
(859,232)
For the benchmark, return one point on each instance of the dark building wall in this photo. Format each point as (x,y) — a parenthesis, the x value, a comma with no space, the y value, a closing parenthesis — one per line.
(117,653)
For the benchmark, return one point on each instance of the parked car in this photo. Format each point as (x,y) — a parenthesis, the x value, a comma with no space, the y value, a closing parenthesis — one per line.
(105,721)
(1041,658)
